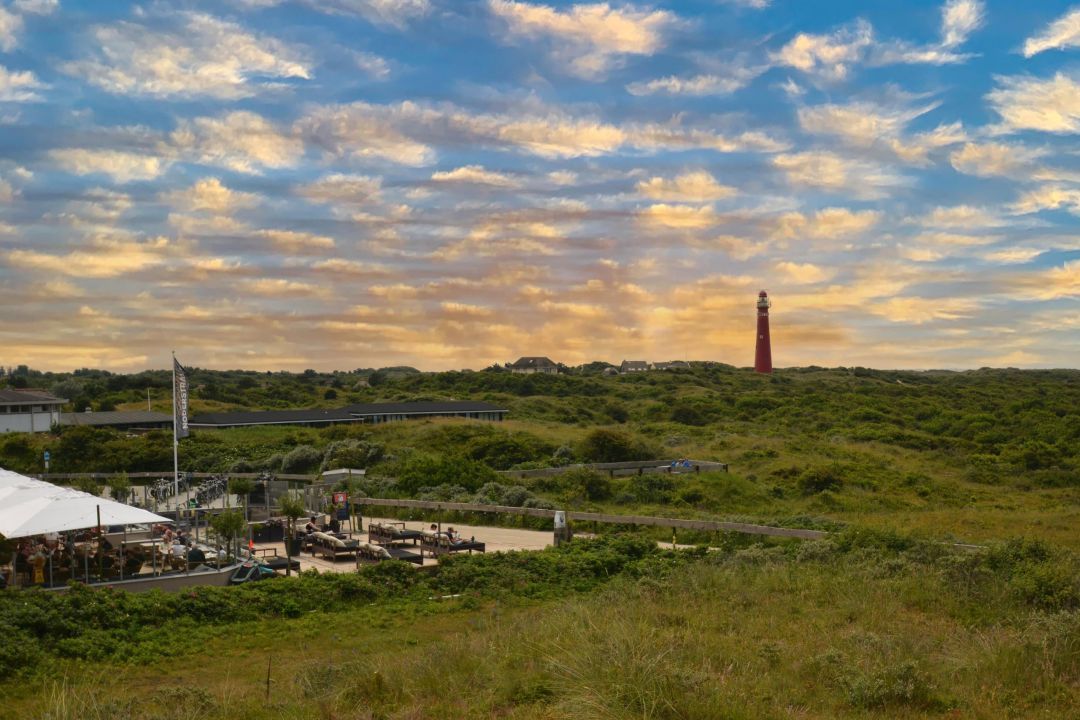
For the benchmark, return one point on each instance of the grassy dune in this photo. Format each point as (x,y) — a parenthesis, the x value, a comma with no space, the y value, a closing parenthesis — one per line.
(863,625)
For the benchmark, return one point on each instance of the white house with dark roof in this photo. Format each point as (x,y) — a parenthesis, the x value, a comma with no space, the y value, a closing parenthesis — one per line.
(534,365)
(28,410)
(633,366)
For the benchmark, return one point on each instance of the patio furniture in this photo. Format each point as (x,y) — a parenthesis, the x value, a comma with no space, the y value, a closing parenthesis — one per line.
(390,533)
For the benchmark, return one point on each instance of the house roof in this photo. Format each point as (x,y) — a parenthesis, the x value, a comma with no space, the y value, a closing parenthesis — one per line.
(422,408)
(640,364)
(533,362)
(119,417)
(667,365)
(271,417)
(19,397)
(350,413)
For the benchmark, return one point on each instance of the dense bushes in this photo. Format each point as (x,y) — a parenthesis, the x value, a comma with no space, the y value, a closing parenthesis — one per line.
(95,624)
(603,445)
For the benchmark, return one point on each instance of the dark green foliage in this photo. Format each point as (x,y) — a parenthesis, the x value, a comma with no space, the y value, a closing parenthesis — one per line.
(419,470)
(820,479)
(603,445)
(93,624)
(301,459)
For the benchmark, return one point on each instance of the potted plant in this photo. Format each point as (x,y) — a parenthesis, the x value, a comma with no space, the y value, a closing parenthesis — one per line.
(293,509)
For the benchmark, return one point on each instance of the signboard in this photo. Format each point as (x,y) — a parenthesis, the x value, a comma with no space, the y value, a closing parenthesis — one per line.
(343,513)
(341,498)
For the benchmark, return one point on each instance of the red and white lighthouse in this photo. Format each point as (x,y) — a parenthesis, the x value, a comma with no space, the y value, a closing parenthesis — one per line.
(763,353)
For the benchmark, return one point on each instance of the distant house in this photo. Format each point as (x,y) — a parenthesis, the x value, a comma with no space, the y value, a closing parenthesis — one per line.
(29,410)
(373,413)
(672,365)
(633,366)
(534,365)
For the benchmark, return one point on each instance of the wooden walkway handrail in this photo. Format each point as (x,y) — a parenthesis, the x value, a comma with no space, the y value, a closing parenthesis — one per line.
(708,525)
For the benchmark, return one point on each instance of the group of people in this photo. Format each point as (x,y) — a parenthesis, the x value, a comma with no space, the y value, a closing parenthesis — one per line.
(451,534)
(181,548)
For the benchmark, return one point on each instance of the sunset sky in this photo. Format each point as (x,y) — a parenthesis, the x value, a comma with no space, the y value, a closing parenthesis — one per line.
(333,184)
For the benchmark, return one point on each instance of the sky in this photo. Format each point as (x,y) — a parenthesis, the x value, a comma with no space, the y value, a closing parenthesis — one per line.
(335,184)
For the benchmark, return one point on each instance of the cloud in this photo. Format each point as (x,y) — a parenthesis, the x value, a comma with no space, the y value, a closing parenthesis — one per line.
(371,64)
(827,223)
(122,167)
(587,40)
(868,125)
(835,173)
(209,195)
(205,57)
(282,288)
(960,216)
(10,27)
(475,175)
(1048,197)
(405,132)
(1052,284)
(697,186)
(724,81)
(18,86)
(1060,34)
(295,242)
(960,18)
(804,273)
(1027,103)
(103,258)
(392,13)
(37,7)
(241,141)
(920,310)
(829,56)
(990,159)
(682,217)
(345,190)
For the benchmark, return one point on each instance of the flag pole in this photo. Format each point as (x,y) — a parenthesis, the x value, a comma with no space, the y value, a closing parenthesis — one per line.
(175,443)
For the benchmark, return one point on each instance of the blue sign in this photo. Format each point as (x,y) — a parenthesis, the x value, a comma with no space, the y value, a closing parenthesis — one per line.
(46,456)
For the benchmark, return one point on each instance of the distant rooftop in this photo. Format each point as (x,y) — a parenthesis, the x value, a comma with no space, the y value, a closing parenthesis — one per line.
(144,418)
(29,396)
(352,413)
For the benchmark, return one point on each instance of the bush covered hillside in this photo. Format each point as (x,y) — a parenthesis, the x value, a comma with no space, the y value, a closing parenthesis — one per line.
(974,455)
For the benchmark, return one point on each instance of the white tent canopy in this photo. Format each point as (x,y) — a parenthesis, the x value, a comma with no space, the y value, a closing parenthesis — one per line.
(34,507)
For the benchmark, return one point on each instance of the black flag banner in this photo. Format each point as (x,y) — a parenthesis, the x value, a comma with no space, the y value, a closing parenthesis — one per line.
(180,400)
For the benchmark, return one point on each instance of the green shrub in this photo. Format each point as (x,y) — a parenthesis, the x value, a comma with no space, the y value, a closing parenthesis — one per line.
(301,459)
(816,480)
(602,445)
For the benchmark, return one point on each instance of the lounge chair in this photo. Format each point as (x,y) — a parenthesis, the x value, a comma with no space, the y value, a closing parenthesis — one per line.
(441,544)
(389,533)
(332,548)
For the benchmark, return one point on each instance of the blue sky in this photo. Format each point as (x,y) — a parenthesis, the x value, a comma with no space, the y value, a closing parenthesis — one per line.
(283,184)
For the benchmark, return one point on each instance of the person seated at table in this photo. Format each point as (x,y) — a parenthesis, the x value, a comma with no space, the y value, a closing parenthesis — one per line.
(167,537)
(196,555)
(178,553)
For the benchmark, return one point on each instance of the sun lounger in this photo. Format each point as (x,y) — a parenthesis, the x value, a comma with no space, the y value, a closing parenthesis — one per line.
(389,533)
(441,544)
(332,548)
(369,553)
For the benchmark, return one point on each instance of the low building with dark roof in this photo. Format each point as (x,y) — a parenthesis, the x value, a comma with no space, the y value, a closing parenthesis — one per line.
(362,413)
(28,410)
(534,365)
(672,365)
(120,419)
(633,366)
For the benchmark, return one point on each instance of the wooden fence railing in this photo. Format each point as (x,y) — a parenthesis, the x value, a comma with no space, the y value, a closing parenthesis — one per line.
(708,525)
